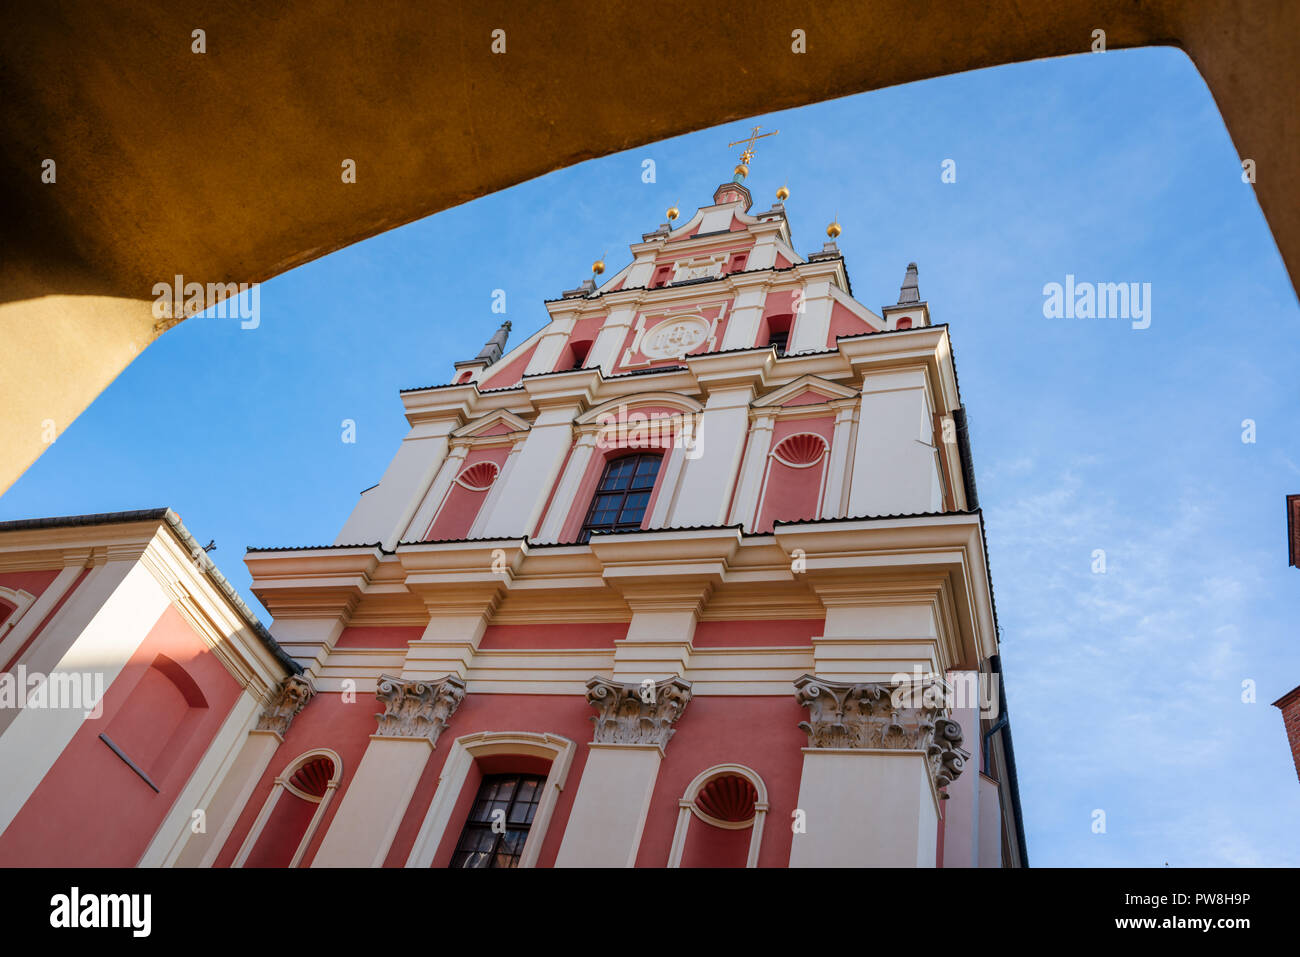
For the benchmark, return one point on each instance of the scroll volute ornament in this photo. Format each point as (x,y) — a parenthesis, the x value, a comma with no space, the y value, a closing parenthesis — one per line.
(637,713)
(876,715)
(417,709)
(290,698)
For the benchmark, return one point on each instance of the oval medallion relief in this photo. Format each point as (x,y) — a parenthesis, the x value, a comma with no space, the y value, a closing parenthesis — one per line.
(673,338)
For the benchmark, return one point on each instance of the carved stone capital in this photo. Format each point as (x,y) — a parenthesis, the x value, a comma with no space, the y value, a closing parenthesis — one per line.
(637,713)
(417,709)
(878,715)
(290,698)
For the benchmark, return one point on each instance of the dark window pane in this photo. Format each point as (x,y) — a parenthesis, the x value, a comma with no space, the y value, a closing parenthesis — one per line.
(635,502)
(530,790)
(623,494)
(516,797)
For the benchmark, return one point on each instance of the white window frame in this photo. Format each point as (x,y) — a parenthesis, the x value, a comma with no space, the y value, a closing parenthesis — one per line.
(464,751)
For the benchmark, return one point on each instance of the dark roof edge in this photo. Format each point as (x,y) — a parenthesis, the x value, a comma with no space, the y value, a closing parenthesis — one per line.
(205,564)
(1008,749)
(678,368)
(95,518)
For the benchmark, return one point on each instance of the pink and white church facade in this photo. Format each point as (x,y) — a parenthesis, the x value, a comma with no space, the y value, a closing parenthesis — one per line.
(692,576)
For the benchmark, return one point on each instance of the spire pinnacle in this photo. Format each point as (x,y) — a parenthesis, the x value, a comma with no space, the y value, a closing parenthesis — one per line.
(910,291)
(495,347)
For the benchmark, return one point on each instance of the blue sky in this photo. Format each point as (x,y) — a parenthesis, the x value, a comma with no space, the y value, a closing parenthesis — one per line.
(1125,687)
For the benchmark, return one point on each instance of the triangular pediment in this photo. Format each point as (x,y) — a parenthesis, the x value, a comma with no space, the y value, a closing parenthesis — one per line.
(805,390)
(500,422)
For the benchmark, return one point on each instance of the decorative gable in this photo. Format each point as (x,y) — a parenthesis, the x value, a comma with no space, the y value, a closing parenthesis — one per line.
(494,424)
(805,390)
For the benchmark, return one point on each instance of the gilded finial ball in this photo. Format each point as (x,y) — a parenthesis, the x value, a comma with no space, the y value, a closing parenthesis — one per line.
(782,194)
(833,230)
(742,170)
(673,213)
(598,266)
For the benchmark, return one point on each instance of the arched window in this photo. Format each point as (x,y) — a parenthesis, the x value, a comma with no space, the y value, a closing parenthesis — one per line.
(13,603)
(622,494)
(478,764)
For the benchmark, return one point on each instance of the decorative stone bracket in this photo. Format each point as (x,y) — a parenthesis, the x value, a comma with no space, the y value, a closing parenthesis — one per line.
(291,697)
(876,715)
(637,713)
(417,709)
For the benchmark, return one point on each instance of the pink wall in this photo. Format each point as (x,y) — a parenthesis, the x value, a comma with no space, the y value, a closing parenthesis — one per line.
(62,823)
(326,722)
(461,506)
(769,633)
(509,374)
(582,337)
(283,832)
(845,323)
(379,636)
(790,493)
(959,825)
(33,582)
(36,633)
(568,635)
(566,715)
(760,732)
(709,846)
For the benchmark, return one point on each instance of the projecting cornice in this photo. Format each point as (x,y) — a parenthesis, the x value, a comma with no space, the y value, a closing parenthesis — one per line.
(461,574)
(929,347)
(312,582)
(889,559)
(688,555)
(798,571)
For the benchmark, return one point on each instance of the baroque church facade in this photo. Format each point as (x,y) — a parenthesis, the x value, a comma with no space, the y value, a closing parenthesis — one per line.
(693,576)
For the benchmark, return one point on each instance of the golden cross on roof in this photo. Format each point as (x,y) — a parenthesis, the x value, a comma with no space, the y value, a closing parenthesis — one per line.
(748,153)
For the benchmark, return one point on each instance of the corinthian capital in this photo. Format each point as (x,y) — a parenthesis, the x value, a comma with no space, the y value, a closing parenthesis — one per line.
(878,715)
(417,709)
(637,713)
(290,698)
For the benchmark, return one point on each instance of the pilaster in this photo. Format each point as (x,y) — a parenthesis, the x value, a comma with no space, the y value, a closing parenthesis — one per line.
(893,749)
(415,714)
(633,725)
